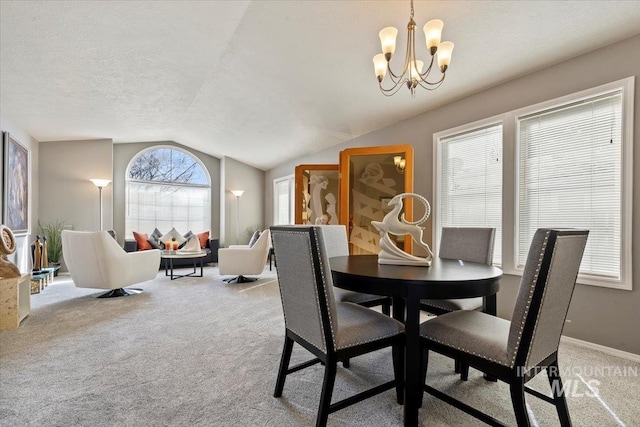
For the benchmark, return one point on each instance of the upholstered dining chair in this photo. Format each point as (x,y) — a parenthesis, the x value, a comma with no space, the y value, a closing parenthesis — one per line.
(336,244)
(244,260)
(514,352)
(472,244)
(95,260)
(328,329)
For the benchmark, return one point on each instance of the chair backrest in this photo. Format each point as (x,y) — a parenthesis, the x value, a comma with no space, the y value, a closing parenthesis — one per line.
(306,287)
(87,253)
(335,240)
(545,293)
(472,244)
(262,243)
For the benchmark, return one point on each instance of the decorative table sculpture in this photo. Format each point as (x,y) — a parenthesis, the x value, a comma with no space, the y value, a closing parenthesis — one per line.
(394,224)
(7,247)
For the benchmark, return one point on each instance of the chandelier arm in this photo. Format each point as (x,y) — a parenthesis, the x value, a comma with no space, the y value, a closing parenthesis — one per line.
(392,91)
(405,67)
(423,76)
(433,86)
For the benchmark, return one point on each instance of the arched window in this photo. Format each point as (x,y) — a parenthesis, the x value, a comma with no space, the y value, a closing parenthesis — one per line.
(167,187)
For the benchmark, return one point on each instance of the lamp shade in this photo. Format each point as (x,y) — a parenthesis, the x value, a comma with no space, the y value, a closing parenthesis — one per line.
(100,183)
(380,66)
(433,32)
(388,40)
(237,193)
(445,50)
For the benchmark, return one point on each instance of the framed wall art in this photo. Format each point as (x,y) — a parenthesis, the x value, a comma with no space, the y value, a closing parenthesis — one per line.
(316,194)
(15,194)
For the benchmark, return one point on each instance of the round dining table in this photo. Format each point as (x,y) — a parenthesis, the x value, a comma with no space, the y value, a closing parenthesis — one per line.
(407,285)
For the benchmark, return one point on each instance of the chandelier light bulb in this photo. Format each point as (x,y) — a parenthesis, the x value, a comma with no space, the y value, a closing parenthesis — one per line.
(388,41)
(380,66)
(433,32)
(445,51)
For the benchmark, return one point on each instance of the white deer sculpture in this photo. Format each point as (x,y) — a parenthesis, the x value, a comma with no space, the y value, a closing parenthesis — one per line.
(396,224)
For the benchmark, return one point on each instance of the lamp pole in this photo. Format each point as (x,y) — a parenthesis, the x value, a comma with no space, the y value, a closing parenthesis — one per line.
(237,193)
(100,183)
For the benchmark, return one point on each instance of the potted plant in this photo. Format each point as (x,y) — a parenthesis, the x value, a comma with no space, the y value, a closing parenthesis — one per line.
(52,231)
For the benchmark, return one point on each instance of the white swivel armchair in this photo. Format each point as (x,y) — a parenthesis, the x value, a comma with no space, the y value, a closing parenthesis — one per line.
(241,260)
(95,260)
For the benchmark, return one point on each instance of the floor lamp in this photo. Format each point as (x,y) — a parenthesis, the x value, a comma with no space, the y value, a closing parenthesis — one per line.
(100,183)
(237,193)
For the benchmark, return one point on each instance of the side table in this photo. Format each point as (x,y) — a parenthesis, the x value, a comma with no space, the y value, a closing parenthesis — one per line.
(15,301)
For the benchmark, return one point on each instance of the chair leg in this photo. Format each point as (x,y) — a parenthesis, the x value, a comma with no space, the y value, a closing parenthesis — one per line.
(456,366)
(284,366)
(424,364)
(557,390)
(464,371)
(386,308)
(346,363)
(519,405)
(398,371)
(327,391)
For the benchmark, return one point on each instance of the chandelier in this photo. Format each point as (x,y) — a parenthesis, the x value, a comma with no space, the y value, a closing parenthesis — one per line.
(412,73)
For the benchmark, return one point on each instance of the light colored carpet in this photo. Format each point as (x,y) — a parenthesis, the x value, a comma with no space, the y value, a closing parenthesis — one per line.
(199,352)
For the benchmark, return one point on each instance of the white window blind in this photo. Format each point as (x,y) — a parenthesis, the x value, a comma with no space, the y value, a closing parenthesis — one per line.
(570,161)
(163,206)
(470,181)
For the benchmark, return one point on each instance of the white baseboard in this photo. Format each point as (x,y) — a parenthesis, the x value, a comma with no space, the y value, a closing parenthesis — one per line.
(608,350)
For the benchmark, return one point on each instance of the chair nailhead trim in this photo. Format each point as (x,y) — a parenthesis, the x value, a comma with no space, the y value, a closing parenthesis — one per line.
(530,297)
(364,342)
(467,351)
(324,286)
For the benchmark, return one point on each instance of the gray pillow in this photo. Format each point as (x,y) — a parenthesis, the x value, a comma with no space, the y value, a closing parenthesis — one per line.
(254,238)
(155,242)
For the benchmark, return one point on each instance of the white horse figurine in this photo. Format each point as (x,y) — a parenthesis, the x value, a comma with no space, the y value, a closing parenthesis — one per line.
(396,224)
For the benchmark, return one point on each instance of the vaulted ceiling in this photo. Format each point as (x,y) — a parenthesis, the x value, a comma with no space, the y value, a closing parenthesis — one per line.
(264,81)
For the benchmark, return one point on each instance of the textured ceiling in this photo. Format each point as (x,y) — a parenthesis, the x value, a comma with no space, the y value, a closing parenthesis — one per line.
(263,81)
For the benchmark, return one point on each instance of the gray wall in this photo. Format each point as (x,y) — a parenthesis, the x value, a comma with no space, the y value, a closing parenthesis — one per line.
(239,176)
(22,257)
(122,155)
(65,190)
(599,315)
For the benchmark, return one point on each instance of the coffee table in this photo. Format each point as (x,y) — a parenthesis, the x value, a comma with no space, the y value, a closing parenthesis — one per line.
(169,256)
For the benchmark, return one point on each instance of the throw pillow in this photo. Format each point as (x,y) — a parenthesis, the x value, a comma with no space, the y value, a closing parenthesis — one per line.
(156,233)
(155,243)
(173,235)
(203,237)
(142,240)
(254,238)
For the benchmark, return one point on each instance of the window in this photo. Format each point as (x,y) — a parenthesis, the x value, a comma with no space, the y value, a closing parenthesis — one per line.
(167,187)
(469,180)
(570,170)
(567,163)
(283,200)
